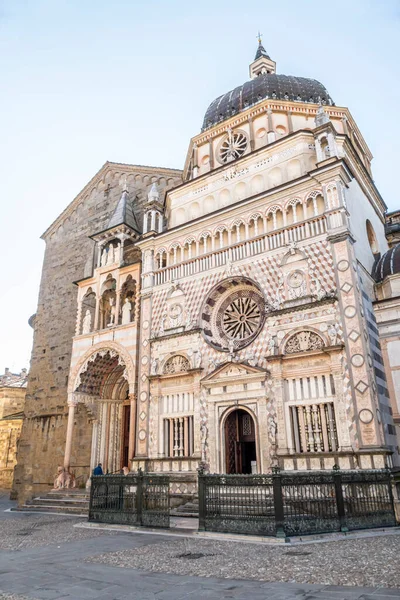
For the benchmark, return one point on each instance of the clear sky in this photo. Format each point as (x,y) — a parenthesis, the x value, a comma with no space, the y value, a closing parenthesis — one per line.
(85,81)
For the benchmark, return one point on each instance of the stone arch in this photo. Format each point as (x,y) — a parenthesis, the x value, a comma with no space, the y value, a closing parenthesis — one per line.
(275,177)
(257,184)
(314,204)
(222,433)
(240,191)
(209,204)
(108,346)
(294,168)
(293,214)
(180,216)
(175,363)
(224,197)
(302,340)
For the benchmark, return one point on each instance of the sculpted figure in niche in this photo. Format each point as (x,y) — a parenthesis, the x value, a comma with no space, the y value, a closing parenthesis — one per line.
(333,334)
(271,345)
(104,258)
(87,321)
(112,312)
(126,311)
(110,255)
(117,254)
(154,366)
(197,359)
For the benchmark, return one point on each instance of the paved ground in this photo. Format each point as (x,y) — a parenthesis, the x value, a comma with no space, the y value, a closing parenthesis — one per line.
(52,563)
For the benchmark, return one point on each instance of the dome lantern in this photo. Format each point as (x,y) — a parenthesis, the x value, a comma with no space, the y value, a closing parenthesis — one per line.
(262,64)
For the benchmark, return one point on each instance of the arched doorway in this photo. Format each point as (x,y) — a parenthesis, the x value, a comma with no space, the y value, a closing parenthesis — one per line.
(240,442)
(102,385)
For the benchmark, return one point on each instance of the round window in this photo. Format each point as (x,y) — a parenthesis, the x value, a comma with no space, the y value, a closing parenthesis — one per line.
(233,146)
(233,314)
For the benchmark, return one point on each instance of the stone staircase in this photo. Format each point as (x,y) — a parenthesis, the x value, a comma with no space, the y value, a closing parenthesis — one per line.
(73,502)
(76,502)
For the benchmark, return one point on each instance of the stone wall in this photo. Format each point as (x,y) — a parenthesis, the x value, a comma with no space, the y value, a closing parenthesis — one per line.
(12,402)
(68,258)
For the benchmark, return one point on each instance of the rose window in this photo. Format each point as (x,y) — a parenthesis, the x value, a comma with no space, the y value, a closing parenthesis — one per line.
(233,314)
(233,146)
(241,319)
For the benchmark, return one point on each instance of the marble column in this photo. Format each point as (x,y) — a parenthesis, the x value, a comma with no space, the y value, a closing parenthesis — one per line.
(70,429)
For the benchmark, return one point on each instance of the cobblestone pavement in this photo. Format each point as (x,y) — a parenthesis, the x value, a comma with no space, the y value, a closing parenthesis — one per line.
(364,562)
(58,567)
(41,530)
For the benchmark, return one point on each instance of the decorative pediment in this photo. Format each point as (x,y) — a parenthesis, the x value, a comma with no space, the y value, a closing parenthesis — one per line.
(234,372)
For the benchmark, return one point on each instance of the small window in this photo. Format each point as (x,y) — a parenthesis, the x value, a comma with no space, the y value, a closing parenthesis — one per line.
(372,238)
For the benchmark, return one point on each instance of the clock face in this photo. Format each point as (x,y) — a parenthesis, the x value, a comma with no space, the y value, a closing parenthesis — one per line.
(296,279)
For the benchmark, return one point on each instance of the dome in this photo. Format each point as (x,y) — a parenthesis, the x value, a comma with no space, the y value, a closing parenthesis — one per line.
(267,85)
(388,264)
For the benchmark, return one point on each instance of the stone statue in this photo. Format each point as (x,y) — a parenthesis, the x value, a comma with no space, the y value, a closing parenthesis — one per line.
(125,470)
(271,346)
(319,290)
(110,255)
(197,359)
(87,322)
(64,479)
(154,366)
(251,358)
(126,312)
(117,254)
(112,312)
(212,363)
(333,335)
(103,258)
(229,267)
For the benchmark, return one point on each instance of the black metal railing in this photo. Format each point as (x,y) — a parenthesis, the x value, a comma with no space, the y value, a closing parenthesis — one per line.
(134,499)
(285,504)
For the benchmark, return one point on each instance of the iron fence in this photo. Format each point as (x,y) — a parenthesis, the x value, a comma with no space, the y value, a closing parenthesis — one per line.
(134,499)
(287,504)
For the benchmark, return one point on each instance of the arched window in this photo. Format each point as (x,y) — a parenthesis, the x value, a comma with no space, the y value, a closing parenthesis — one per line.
(128,301)
(373,243)
(88,311)
(108,303)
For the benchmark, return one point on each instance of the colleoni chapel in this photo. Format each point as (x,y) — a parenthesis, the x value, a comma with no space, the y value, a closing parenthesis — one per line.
(240,313)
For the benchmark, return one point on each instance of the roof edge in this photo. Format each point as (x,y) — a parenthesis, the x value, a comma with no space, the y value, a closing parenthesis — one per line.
(108,164)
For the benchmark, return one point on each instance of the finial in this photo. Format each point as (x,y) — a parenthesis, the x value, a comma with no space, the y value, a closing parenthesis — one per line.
(259,36)
(154,194)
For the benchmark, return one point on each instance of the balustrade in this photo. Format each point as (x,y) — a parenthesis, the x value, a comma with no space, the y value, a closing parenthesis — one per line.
(243,249)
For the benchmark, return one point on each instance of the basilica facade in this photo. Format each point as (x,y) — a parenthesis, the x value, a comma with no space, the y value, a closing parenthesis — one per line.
(222,315)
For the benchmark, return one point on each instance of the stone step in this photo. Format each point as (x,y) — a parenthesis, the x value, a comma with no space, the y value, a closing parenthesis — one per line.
(73,510)
(83,502)
(67,493)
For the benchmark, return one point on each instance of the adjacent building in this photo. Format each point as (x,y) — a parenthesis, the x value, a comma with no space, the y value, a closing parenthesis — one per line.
(12,401)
